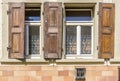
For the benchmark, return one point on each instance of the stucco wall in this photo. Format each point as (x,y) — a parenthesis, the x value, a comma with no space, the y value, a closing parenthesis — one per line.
(0,28)
(117,29)
(4,27)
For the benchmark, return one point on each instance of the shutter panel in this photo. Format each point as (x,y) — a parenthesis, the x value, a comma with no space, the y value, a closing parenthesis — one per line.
(52,30)
(106,30)
(16,30)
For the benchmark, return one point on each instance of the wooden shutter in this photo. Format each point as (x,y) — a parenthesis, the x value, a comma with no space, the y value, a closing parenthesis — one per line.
(52,30)
(106,30)
(16,30)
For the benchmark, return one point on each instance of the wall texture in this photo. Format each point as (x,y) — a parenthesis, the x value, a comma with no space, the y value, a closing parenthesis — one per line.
(0,27)
(56,73)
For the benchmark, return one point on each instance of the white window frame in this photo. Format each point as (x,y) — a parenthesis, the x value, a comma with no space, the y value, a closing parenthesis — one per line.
(27,24)
(78,25)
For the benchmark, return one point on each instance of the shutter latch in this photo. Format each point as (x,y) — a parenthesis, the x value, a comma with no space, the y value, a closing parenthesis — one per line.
(8,12)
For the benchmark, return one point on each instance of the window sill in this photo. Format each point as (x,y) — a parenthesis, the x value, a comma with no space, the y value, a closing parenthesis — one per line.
(47,62)
(24,61)
(57,62)
(87,61)
(81,60)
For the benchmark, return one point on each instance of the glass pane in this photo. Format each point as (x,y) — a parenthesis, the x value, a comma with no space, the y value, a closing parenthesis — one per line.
(71,40)
(78,16)
(34,40)
(32,14)
(86,40)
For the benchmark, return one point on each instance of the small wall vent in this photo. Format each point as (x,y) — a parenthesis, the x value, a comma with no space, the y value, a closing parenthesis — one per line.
(80,73)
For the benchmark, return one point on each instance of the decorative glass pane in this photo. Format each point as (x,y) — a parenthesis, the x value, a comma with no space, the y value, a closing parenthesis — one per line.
(78,16)
(34,40)
(86,40)
(71,40)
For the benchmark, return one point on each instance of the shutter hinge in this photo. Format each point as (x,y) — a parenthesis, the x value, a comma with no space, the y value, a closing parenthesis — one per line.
(98,13)
(113,5)
(97,47)
(62,49)
(8,48)
(43,48)
(42,13)
(8,12)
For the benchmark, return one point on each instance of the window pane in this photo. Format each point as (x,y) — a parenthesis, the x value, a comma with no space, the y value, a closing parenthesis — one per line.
(71,40)
(32,14)
(78,16)
(86,40)
(34,40)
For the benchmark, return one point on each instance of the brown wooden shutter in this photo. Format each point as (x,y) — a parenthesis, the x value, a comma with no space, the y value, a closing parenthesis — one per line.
(16,30)
(52,30)
(106,30)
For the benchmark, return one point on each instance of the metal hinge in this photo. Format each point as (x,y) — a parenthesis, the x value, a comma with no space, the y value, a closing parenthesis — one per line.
(8,48)
(97,47)
(113,5)
(62,49)
(98,13)
(42,13)
(8,12)
(43,48)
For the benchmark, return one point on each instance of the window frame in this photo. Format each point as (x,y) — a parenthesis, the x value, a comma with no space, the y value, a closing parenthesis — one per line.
(79,24)
(28,7)
(27,54)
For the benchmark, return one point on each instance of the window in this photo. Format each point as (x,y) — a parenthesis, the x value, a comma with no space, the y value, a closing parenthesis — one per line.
(32,32)
(25,30)
(79,32)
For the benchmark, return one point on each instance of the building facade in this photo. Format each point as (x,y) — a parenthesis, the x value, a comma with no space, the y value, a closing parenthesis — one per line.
(59,40)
